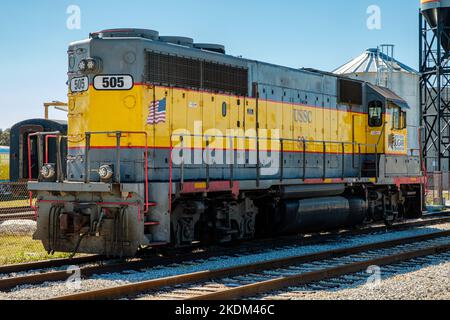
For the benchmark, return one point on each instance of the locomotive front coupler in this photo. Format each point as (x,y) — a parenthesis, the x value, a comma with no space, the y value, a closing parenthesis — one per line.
(78,218)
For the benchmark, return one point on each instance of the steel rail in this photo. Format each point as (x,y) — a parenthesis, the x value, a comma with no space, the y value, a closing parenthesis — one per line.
(22,267)
(314,276)
(25,215)
(12,210)
(139,287)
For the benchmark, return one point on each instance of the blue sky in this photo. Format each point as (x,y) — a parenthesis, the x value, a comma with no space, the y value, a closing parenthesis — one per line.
(301,33)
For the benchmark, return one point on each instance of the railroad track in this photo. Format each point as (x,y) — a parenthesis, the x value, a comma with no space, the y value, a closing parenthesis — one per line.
(113,266)
(253,279)
(17,216)
(48,264)
(16,213)
(252,284)
(12,210)
(360,281)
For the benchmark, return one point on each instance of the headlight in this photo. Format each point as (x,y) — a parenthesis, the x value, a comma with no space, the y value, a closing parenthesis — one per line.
(48,171)
(105,172)
(82,66)
(91,64)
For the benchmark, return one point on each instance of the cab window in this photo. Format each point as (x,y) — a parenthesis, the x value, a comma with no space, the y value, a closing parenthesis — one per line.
(398,118)
(375,114)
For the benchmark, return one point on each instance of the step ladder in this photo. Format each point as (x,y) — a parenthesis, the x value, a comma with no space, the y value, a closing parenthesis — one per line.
(149,224)
(369,169)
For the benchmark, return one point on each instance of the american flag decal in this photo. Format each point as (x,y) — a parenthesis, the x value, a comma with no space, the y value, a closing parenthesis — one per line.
(157,112)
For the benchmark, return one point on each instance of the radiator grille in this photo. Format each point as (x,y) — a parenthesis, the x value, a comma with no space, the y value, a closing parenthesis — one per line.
(350,92)
(170,70)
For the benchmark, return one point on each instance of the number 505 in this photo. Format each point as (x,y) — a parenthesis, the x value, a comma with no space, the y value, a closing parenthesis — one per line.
(113,82)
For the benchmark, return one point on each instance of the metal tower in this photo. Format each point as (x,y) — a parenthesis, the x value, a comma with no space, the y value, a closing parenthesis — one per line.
(434,94)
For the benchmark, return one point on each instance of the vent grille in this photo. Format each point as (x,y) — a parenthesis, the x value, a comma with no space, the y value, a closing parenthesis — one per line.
(350,92)
(170,70)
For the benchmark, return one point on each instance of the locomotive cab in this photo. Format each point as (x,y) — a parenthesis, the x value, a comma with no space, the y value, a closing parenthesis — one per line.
(387,130)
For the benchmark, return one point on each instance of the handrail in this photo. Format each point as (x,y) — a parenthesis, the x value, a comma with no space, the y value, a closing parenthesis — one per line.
(56,134)
(118,136)
(281,142)
(47,135)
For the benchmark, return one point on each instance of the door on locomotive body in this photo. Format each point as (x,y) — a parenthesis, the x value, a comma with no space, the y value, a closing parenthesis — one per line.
(334,150)
(216,136)
(359,141)
(208,124)
(250,138)
(302,122)
(180,142)
(193,125)
(269,120)
(376,130)
(158,113)
(287,127)
(236,114)
(273,134)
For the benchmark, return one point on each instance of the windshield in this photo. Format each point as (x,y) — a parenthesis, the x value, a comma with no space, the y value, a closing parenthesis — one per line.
(375,114)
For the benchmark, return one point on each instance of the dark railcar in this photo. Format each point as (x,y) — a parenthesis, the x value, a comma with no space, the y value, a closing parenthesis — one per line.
(19,167)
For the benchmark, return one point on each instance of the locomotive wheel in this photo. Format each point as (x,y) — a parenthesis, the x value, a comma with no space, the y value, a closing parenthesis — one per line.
(415,213)
(389,222)
(413,210)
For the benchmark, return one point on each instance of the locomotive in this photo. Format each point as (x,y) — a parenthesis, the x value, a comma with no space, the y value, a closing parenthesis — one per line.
(173,143)
(4,164)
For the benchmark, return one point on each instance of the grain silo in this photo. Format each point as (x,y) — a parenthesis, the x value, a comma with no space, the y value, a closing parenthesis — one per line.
(378,66)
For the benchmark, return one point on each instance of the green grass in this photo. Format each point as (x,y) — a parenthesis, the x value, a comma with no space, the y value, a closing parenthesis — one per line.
(20,249)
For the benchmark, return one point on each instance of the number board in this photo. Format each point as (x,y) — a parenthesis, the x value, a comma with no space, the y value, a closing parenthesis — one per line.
(79,84)
(113,82)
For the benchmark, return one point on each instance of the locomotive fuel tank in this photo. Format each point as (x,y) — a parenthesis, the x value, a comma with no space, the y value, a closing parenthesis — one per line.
(311,191)
(318,214)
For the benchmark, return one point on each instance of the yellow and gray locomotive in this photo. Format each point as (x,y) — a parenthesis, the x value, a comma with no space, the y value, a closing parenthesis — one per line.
(172,142)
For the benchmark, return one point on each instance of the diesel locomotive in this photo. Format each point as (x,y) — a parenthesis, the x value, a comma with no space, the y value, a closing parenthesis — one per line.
(173,143)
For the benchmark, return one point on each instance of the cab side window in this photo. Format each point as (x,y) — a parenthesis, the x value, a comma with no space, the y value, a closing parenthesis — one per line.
(375,114)
(398,119)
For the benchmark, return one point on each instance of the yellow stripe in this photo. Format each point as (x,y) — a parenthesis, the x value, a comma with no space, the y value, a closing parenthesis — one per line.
(128,111)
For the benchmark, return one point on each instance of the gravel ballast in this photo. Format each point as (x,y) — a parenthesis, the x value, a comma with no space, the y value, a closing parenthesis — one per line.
(55,289)
(429,282)
(17,228)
